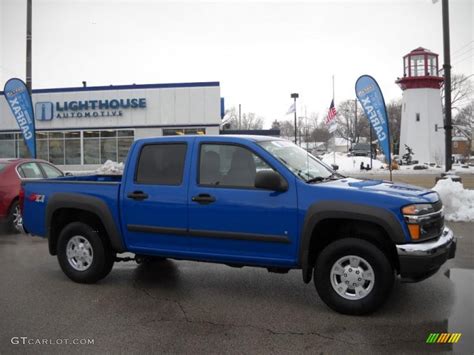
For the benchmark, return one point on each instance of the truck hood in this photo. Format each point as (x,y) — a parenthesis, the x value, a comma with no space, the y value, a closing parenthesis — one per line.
(409,192)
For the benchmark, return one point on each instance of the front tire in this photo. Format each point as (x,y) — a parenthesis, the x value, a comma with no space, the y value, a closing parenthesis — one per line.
(353,276)
(83,255)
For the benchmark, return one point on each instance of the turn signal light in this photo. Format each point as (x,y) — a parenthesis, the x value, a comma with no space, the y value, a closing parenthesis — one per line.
(414,231)
(409,210)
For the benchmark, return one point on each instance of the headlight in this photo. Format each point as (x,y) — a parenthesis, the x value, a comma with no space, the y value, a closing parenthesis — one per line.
(411,213)
(417,209)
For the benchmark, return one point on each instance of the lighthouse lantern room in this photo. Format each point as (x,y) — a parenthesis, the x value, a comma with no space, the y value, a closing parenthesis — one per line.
(422,113)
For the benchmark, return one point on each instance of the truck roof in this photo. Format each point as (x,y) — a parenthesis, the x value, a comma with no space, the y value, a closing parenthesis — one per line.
(224,137)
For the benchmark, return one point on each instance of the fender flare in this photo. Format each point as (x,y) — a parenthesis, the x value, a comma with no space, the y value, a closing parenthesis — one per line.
(324,210)
(89,204)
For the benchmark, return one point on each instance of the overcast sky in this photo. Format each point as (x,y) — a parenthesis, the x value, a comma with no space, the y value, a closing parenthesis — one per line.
(259,51)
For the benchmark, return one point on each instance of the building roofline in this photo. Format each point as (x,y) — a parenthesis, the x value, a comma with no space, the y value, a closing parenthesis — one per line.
(126,87)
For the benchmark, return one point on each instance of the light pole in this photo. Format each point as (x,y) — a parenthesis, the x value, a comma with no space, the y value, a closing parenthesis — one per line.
(447,82)
(294,96)
(28,45)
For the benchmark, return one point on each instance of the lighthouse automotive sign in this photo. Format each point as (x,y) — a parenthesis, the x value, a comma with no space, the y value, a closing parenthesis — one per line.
(46,111)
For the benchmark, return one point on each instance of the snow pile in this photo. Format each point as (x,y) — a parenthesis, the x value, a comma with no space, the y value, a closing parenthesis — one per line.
(110,168)
(351,164)
(458,202)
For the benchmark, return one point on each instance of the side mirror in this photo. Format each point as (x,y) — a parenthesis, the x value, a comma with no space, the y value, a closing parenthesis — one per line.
(270,180)
(68,174)
(335,167)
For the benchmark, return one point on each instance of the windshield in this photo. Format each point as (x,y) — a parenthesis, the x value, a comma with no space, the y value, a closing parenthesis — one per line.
(300,162)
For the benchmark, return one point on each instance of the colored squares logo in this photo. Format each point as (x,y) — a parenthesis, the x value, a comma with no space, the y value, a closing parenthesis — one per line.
(443,338)
(44,111)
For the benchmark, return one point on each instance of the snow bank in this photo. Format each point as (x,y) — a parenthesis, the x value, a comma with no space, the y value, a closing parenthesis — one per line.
(110,168)
(458,202)
(351,164)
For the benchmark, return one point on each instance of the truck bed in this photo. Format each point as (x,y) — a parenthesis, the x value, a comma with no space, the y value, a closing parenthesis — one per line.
(37,194)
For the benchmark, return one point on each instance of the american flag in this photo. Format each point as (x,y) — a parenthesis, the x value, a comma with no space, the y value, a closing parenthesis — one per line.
(331,113)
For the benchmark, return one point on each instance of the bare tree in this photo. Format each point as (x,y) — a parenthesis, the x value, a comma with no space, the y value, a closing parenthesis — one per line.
(349,127)
(251,121)
(464,121)
(321,133)
(461,91)
(287,130)
(248,120)
(394,112)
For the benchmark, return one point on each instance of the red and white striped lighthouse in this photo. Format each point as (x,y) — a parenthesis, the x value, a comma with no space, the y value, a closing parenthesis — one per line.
(422,112)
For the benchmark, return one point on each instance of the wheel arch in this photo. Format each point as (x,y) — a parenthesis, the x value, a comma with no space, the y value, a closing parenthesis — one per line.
(376,225)
(65,208)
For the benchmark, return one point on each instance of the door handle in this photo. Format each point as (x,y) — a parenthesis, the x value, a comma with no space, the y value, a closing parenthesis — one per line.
(137,195)
(204,199)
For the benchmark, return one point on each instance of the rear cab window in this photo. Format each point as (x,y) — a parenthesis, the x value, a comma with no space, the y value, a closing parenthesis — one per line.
(161,164)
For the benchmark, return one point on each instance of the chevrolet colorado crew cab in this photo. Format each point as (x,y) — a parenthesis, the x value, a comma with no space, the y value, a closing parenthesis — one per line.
(244,201)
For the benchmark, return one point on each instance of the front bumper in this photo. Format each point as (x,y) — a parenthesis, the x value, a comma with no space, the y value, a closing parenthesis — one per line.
(421,260)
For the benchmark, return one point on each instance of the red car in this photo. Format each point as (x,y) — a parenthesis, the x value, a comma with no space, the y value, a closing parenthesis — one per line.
(12,172)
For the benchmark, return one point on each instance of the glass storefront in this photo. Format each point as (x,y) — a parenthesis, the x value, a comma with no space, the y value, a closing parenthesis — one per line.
(64,148)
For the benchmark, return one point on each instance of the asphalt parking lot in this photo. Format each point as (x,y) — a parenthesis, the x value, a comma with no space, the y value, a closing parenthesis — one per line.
(190,307)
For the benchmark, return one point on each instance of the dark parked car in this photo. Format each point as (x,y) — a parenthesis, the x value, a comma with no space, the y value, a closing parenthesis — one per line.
(361,150)
(12,173)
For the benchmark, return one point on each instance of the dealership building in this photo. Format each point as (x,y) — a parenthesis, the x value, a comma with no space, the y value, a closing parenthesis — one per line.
(85,126)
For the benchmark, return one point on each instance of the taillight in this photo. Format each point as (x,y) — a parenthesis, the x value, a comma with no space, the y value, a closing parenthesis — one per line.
(21,198)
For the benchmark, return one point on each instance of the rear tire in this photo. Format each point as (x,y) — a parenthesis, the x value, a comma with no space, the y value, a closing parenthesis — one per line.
(353,276)
(84,256)
(14,218)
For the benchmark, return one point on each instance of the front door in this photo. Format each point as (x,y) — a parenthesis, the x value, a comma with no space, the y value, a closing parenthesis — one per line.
(230,219)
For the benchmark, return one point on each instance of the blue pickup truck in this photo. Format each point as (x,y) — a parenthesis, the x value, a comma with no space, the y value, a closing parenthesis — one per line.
(244,201)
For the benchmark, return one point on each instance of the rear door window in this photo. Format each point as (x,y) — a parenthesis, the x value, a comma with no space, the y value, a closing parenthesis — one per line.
(30,171)
(51,171)
(161,164)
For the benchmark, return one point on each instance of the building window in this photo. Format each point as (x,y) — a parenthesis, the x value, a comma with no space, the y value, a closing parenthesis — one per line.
(91,147)
(56,148)
(417,65)
(72,143)
(183,131)
(417,117)
(124,141)
(8,145)
(64,148)
(108,146)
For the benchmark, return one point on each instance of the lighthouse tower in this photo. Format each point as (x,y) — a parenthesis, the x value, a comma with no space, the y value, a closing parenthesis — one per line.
(422,113)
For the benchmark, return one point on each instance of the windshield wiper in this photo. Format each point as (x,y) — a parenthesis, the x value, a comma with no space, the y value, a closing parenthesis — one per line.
(333,176)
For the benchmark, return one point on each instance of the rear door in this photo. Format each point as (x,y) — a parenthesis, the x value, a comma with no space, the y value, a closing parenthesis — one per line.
(154,196)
